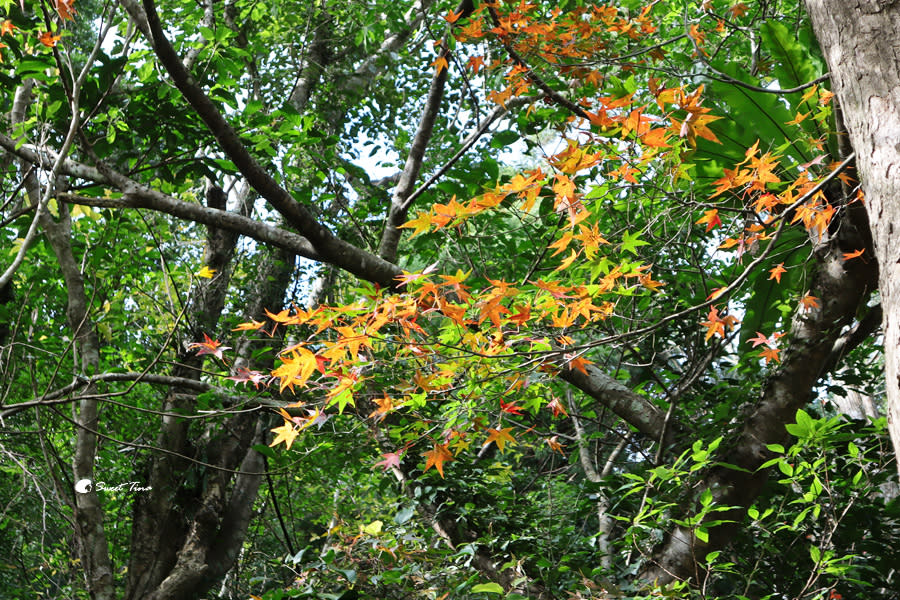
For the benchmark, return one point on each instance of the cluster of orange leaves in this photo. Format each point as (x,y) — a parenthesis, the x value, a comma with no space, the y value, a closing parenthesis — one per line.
(66,11)
(342,338)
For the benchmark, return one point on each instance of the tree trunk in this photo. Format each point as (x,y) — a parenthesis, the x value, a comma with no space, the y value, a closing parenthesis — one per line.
(860,42)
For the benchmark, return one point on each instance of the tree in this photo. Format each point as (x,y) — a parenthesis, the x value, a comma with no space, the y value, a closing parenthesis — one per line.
(527,299)
(858,46)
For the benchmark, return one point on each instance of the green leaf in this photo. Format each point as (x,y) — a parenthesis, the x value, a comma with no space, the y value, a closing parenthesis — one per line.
(632,241)
(490,588)
(404,514)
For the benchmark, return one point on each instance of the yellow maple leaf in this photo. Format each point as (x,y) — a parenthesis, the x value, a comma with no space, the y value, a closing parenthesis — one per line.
(286,433)
(205,273)
(296,369)
(420,224)
(251,326)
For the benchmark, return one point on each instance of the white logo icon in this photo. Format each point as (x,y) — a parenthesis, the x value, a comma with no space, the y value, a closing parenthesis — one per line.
(83,486)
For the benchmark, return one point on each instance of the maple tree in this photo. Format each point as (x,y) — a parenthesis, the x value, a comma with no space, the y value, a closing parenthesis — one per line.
(536,299)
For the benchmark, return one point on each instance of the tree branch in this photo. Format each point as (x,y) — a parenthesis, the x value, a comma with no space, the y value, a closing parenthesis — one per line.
(390,239)
(332,249)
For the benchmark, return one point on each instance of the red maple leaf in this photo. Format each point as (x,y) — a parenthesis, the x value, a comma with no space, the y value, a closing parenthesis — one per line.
(510,408)
(244,375)
(711,218)
(391,460)
(209,346)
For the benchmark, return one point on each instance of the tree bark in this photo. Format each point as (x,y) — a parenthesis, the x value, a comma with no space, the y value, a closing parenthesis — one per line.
(860,43)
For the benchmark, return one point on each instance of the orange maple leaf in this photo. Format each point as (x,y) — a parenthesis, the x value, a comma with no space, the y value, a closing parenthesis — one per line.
(711,218)
(452,17)
(500,437)
(251,326)
(777,271)
(809,302)
(65,10)
(854,254)
(48,39)
(7,27)
(770,354)
(385,405)
(475,63)
(738,10)
(440,63)
(437,457)
(716,324)
(554,444)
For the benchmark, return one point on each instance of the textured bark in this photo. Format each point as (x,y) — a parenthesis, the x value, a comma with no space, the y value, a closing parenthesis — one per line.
(90,532)
(860,43)
(634,409)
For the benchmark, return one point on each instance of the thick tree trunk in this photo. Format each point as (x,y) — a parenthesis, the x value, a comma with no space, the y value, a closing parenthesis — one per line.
(861,44)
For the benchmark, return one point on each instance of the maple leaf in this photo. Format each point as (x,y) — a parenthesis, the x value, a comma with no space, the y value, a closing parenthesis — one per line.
(770,354)
(777,271)
(385,405)
(7,27)
(437,457)
(440,63)
(209,346)
(711,218)
(554,444)
(205,272)
(655,138)
(342,393)
(556,406)
(296,369)
(854,254)
(738,10)
(420,224)
(809,302)
(579,363)
(522,316)
(389,460)
(452,17)
(251,326)
(65,10)
(760,339)
(48,39)
(510,408)
(245,376)
(475,63)
(500,437)
(716,324)
(286,433)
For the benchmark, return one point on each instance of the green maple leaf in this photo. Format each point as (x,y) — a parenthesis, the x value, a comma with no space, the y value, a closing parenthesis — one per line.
(632,241)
